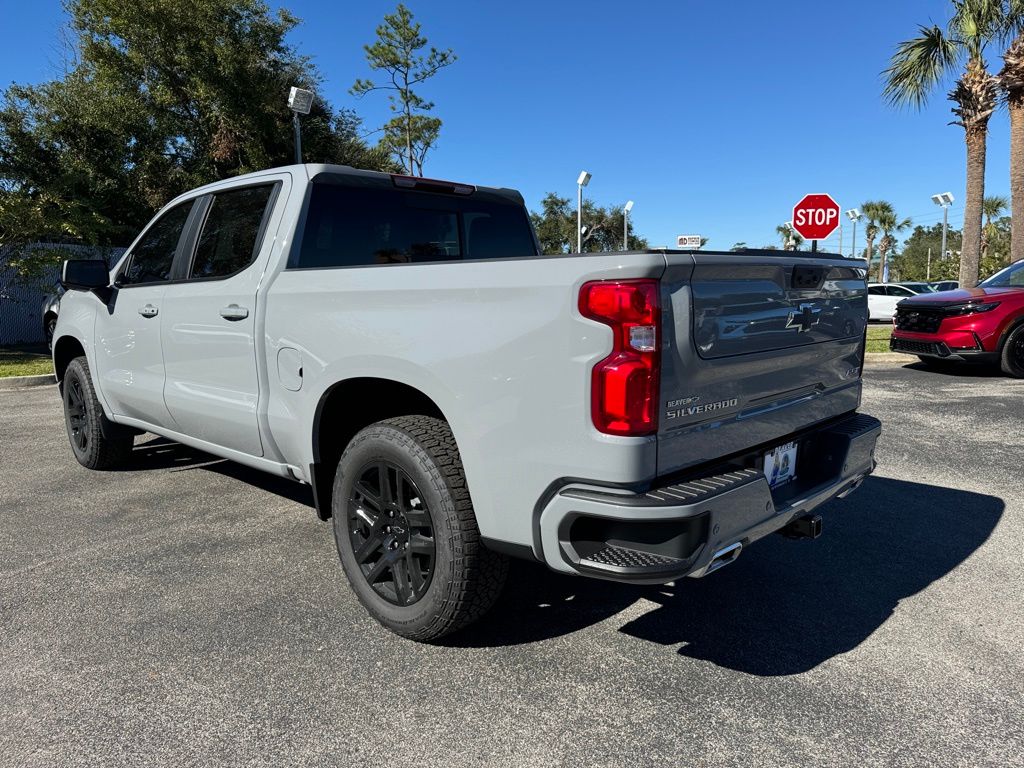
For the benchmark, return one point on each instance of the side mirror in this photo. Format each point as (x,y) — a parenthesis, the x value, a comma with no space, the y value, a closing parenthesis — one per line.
(84,274)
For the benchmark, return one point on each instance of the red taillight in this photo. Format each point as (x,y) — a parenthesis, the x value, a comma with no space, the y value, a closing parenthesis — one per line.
(624,386)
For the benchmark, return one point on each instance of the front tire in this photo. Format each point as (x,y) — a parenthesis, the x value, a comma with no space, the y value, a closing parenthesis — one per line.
(88,428)
(1012,358)
(406,532)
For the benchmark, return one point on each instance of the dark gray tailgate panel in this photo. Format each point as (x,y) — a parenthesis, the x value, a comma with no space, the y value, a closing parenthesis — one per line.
(755,348)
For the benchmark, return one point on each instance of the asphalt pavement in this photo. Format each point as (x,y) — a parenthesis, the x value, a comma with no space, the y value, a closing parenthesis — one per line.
(191,612)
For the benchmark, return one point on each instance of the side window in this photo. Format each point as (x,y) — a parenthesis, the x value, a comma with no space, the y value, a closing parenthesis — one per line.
(228,241)
(152,257)
(896,290)
(876,290)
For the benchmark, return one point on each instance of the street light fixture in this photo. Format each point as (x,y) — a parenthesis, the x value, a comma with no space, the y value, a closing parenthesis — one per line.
(944,200)
(854,215)
(625,225)
(581,182)
(300,101)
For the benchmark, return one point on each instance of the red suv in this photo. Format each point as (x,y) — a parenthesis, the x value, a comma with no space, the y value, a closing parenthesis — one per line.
(981,325)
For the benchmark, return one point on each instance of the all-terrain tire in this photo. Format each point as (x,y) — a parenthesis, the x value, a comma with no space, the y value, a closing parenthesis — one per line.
(89,431)
(1012,358)
(430,496)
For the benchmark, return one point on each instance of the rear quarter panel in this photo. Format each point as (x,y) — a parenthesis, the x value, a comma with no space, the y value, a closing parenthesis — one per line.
(499,346)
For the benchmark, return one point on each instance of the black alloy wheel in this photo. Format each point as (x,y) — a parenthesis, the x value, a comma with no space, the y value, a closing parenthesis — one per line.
(1017,350)
(391,532)
(77,415)
(1012,357)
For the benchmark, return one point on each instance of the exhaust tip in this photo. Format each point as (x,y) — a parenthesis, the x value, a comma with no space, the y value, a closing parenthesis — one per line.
(724,556)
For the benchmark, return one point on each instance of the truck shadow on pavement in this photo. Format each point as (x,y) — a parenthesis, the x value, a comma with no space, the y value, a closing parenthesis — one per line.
(155,453)
(785,606)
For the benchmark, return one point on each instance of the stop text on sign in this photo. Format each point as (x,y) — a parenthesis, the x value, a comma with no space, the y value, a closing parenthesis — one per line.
(816,216)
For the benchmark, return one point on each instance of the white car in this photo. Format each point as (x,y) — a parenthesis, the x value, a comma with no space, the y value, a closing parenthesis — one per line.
(883,298)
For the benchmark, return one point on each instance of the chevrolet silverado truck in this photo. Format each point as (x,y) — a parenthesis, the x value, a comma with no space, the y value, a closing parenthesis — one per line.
(454,397)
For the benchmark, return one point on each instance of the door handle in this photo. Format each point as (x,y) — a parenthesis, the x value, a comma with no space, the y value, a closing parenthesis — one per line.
(148,311)
(234,312)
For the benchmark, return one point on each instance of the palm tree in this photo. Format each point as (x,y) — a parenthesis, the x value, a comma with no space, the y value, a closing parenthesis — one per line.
(889,223)
(874,211)
(789,235)
(1011,80)
(992,208)
(922,63)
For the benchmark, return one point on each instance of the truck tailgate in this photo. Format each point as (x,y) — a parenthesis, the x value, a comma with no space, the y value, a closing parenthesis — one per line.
(756,347)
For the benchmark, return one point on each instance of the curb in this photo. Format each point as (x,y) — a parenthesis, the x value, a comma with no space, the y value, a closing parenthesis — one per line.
(23,382)
(887,357)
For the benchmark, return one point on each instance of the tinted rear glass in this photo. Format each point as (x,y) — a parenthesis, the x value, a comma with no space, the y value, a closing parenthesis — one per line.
(227,243)
(356,226)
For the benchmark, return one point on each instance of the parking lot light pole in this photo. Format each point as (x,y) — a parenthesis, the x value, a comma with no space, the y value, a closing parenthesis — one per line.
(944,200)
(581,182)
(625,224)
(854,215)
(300,101)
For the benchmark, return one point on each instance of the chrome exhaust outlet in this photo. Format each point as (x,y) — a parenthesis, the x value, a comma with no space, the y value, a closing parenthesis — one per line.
(723,557)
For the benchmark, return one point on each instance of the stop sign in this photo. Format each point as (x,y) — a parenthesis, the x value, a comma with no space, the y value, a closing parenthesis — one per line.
(816,216)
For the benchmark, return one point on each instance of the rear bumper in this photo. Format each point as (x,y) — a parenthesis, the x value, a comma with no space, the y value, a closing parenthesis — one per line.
(693,527)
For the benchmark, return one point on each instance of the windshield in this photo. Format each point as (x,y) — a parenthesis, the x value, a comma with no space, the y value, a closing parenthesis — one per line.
(1009,277)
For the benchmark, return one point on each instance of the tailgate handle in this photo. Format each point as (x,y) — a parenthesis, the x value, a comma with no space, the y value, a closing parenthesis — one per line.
(808,278)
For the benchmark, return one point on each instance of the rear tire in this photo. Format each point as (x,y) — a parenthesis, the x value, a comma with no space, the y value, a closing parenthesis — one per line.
(88,428)
(406,532)
(1012,358)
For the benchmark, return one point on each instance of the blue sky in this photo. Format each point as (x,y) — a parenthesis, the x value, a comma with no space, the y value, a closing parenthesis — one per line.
(715,118)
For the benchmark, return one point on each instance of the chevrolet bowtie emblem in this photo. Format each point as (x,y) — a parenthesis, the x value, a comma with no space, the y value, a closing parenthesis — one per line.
(804,318)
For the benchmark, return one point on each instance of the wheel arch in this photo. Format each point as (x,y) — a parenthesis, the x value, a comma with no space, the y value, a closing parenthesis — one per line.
(343,410)
(1011,325)
(65,349)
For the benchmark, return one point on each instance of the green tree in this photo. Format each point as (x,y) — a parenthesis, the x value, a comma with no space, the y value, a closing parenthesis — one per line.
(921,64)
(158,99)
(555,225)
(410,134)
(912,263)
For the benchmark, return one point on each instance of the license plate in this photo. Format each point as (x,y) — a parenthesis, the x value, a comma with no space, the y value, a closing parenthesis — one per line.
(780,464)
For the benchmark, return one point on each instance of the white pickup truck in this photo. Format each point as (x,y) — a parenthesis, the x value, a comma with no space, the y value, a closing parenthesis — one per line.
(454,397)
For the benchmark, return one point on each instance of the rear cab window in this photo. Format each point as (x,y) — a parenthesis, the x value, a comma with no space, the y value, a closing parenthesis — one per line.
(230,236)
(370,222)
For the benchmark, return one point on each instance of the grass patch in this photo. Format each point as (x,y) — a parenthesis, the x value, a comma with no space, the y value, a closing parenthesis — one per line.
(878,337)
(21,362)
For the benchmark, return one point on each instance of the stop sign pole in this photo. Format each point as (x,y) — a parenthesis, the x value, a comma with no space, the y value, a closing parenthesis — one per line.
(816,217)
